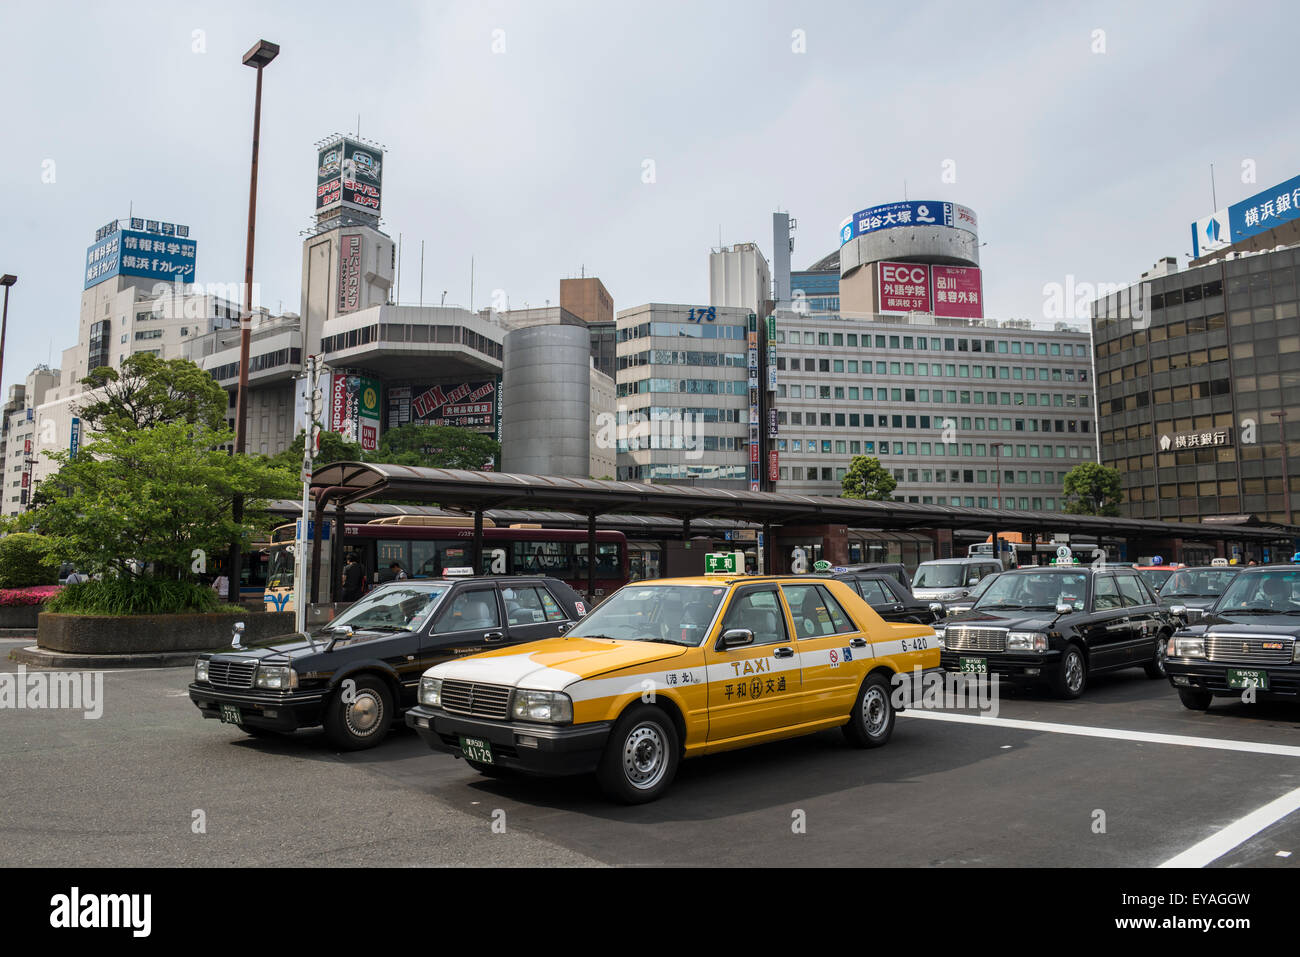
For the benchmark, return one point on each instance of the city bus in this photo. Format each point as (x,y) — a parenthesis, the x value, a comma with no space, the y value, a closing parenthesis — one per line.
(426,546)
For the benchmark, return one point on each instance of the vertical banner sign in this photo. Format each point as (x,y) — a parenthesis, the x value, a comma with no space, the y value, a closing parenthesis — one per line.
(498,410)
(773,469)
(367,424)
(349,274)
(74,438)
(338,402)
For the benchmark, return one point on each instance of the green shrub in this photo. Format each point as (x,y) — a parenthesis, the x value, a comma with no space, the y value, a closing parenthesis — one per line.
(24,561)
(136,596)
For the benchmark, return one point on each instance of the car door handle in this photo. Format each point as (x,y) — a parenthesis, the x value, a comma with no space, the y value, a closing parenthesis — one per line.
(494,636)
(858,643)
(783,653)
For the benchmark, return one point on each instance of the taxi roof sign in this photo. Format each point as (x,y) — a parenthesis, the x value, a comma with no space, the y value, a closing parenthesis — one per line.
(724,563)
(459,571)
(1218,562)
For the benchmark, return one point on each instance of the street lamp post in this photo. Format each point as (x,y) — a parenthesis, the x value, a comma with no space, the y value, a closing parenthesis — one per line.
(997,460)
(7,280)
(262,53)
(1286,475)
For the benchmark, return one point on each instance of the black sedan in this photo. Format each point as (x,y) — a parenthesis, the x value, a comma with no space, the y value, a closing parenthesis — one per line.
(889,598)
(1246,645)
(358,674)
(1059,625)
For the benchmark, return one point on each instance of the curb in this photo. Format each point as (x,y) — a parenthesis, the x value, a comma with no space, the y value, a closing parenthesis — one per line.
(40,657)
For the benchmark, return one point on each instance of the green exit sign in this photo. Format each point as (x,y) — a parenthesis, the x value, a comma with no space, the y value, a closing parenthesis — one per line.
(724,563)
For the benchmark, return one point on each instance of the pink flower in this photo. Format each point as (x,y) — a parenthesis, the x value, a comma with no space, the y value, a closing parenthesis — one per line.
(36,595)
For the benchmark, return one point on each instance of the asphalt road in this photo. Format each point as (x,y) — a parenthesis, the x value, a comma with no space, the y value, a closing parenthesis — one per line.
(1124,777)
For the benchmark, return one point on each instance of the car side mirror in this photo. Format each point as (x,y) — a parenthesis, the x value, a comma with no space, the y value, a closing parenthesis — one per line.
(1179,611)
(238,634)
(736,637)
(937,608)
(1064,608)
(563,627)
(972,581)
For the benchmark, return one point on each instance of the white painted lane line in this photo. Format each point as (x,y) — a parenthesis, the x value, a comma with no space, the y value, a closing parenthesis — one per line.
(1119,734)
(1236,833)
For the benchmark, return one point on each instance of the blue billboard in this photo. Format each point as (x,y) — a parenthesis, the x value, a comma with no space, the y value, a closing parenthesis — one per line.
(160,256)
(1264,211)
(907,213)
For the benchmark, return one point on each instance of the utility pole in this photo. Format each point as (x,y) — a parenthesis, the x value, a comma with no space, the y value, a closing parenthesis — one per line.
(313,396)
(1286,474)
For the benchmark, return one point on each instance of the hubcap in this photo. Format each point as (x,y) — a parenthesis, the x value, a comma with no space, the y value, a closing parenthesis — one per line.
(364,714)
(645,756)
(1160,656)
(875,711)
(1074,671)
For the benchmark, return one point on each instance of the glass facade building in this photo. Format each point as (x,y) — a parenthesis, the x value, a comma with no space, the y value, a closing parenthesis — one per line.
(1191,369)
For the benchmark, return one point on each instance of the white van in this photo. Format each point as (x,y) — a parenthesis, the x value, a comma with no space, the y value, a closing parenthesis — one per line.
(947,579)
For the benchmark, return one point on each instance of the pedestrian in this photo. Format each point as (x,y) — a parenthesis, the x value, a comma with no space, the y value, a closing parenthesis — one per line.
(398,573)
(221,585)
(75,577)
(354,580)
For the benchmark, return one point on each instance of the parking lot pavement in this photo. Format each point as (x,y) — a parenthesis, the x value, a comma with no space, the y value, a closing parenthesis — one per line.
(1125,776)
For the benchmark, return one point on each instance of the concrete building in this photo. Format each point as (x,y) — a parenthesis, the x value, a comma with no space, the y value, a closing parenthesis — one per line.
(739,278)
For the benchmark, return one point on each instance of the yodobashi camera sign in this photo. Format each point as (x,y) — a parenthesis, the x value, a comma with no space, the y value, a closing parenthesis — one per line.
(349,173)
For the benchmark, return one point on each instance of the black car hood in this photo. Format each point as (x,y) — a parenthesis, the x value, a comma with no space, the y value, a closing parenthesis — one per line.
(1191,601)
(295,647)
(1251,624)
(1026,620)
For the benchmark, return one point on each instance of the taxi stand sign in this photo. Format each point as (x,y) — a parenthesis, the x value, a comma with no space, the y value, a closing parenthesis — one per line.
(724,563)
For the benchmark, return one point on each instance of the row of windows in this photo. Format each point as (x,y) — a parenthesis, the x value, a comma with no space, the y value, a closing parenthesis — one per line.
(391,332)
(933,343)
(687,386)
(1182,360)
(953,449)
(709,443)
(656,412)
(1182,393)
(957,397)
(937,369)
(965,423)
(259,363)
(691,330)
(683,358)
(636,473)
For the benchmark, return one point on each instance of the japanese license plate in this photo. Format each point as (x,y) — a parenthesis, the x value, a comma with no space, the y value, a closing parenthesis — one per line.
(1242,678)
(974,666)
(230,714)
(476,749)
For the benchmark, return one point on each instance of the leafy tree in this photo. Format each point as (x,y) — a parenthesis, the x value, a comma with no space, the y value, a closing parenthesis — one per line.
(436,446)
(867,478)
(149,391)
(152,496)
(1092,489)
(25,561)
(333,448)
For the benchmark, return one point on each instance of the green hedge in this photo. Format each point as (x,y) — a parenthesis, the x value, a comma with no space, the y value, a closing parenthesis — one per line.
(136,596)
(24,561)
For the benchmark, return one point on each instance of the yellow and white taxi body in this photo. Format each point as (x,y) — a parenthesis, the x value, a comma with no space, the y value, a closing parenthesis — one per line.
(675,668)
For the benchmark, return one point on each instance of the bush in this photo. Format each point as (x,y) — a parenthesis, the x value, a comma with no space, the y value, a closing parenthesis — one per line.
(136,596)
(36,595)
(25,561)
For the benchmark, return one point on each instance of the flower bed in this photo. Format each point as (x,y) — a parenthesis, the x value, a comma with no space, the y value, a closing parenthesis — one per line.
(20,606)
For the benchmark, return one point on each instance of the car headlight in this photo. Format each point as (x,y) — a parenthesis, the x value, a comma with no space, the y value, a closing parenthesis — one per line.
(201,669)
(276,677)
(431,692)
(938,633)
(1026,641)
(553,707)
(1188,647)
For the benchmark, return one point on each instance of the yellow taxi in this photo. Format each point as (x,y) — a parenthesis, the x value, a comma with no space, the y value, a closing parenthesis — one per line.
(676,668)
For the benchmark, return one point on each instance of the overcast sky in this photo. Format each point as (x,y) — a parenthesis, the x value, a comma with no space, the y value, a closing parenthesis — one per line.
(532,159)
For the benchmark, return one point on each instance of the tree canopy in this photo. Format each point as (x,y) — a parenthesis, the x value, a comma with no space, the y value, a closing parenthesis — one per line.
(1092,489)
(149,391)
(867,478)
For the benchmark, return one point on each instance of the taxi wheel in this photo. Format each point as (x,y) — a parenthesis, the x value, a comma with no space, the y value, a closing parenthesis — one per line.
(363,720)
(872,721)
(1072,675)
(641,757)
(1195,699)
(1155,668)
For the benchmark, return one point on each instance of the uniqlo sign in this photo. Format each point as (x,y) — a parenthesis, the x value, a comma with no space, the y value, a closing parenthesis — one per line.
(958,292)
(903,287)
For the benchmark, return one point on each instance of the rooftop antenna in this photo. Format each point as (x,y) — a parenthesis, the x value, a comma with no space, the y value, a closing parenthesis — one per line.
(358,126)
(471,283)
(904,190)
(1214,195)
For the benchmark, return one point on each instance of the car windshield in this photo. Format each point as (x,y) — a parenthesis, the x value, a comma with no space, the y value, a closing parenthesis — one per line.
(940,576)
(1155,577)
(404,607)
(677,614)
(1271,591)
(983,586)
(1037,590)
(1197,582)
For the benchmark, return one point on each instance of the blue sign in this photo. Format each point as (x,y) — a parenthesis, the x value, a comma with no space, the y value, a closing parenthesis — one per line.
(1264,210)
(149,256)
(909,213)
(74,442)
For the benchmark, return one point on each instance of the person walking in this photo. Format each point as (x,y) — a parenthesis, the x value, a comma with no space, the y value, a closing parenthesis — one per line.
(398,573)
(221,585)
(354,580)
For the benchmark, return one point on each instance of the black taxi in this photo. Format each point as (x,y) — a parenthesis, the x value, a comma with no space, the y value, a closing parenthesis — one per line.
(359,673)
(1247,640)
(1059,625)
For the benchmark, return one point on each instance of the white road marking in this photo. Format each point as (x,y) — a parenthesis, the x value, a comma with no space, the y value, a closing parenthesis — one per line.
(1238,832)
(1282,854)
(1119,734)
